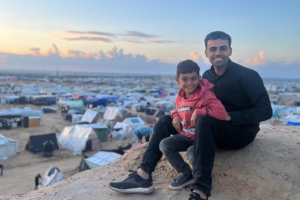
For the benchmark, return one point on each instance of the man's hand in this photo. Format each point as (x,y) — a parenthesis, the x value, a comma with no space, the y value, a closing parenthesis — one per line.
(176,123)
(193,118)
(228,118)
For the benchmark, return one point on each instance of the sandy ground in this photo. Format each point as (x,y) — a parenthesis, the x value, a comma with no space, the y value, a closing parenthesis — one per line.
(21,169)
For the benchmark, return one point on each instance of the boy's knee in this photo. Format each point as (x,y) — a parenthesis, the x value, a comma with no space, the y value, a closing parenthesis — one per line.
(190,154)
(163,146)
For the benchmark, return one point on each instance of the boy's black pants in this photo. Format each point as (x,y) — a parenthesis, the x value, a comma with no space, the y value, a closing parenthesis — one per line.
(209,132)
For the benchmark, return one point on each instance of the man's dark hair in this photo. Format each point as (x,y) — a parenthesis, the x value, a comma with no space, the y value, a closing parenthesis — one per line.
(187,66)
(217,35)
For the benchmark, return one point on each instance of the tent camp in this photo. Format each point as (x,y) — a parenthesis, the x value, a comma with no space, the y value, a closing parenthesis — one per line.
(90,116)
(75,137)
(8,147)
(99,159)
(51,176)
(35,142)
(122,131)
(134,122)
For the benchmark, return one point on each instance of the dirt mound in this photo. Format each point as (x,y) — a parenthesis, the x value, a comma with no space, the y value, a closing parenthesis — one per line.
(269,168)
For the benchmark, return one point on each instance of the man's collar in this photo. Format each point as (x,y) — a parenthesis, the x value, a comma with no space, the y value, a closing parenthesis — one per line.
(229,66)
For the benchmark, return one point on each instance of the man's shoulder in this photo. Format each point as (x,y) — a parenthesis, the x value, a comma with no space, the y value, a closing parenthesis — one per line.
(242,70)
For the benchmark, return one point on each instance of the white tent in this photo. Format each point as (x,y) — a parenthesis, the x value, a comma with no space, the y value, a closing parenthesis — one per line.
(134,122)
(76,118)
(101,158)
(112,112)
(8,147)
(122,131)
(89,116)
(74,137)
(51,176)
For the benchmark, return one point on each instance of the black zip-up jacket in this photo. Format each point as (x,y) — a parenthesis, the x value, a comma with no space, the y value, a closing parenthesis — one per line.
(242,92)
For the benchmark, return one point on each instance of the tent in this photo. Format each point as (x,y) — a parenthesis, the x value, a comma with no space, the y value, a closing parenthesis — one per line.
(35,142)
(113,113)
(134,122)
(22,112)
(122,131)
(76,105)
(101,158)
(75,137)
(52,176)
(90,116)
(8,147)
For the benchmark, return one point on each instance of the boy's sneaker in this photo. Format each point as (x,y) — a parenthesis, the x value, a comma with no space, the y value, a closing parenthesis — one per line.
(181,182)
(195,196)
(133,184)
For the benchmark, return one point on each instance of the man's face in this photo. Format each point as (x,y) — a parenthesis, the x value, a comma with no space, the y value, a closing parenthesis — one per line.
(189,82)
(218,52)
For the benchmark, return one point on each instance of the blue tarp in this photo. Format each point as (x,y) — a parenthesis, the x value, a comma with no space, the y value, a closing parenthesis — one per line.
(102,101)
(293,123)
(65,95)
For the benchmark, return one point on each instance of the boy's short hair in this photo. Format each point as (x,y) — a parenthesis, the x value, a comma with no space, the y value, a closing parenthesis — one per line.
(187,66)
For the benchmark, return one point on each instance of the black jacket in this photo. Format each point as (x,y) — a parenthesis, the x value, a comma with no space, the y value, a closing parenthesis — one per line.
(242,92)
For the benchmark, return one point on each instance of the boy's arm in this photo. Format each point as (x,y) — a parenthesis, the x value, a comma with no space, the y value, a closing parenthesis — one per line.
(212,106)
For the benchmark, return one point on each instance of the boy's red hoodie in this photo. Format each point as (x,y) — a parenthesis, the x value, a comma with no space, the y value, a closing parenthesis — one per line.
(204,101)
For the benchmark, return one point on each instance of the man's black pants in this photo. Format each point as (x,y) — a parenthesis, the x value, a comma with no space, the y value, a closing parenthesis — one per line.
(209,133)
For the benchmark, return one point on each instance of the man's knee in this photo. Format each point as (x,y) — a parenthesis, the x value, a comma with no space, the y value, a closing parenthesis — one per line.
(204,120)
(190,154)
(164,120)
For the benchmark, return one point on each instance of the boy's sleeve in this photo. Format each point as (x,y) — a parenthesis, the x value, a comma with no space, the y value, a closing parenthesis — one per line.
(175,112)
(212,106)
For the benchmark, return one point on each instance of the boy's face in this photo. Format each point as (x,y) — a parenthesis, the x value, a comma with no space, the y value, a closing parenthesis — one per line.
(189,82)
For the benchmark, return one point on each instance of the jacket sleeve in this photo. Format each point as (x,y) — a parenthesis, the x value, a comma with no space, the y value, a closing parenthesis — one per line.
(253,87)
(175,112)
(212,106)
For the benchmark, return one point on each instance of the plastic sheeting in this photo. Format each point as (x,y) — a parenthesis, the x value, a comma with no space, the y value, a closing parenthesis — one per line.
(22,112)
(134,122)
(101,158)
(51,176)
(89,116)
(122,131)
(74,137)
(112,112)
(8,147)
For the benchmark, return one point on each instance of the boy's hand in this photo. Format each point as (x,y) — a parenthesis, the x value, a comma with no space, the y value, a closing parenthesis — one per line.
(193,118)
(176,123)
(228,118)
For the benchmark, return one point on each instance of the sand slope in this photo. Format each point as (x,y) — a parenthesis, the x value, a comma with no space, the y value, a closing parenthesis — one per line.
(267,169)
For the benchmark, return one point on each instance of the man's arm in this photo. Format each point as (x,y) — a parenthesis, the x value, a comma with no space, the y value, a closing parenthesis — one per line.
(252,85)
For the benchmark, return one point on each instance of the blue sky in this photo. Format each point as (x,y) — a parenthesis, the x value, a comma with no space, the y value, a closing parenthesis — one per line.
(147,36)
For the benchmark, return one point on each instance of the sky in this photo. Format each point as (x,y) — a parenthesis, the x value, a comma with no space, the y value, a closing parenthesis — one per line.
(147,37)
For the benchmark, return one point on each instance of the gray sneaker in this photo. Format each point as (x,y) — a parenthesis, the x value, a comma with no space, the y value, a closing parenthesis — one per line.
(181,182)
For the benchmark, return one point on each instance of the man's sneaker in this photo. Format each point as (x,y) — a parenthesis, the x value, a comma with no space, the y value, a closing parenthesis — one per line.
(181,182)
(195,196)
(133,184)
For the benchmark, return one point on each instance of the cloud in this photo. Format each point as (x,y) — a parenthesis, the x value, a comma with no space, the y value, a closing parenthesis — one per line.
(52,51)
(132,42)
(160,41)
(139,34)
(88,33)
(257,60)
(77,54)
(98,39)
(195,56)
(34,51)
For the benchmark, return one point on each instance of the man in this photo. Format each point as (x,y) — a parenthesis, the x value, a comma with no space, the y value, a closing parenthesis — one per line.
(246,101)
(1,169)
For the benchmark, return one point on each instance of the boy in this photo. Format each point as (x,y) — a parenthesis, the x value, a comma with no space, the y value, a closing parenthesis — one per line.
(194,99)
(195,93)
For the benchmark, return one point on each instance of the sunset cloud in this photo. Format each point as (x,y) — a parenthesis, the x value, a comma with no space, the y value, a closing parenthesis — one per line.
(139,34)
(97,39)
(195,56)
(160,41)
(34,51)
(77,54)
(132,42)
(257,60)
(52,51)
(98,33)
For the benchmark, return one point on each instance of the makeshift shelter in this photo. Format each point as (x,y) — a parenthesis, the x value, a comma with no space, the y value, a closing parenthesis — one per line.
(43,100)
(76,118)
(99,159)
(52,176)
(90,116)
(18,112)
(76,105)
(115,113)
(134,122)
(122,131)
(8,147)
(75,137)
(103,100)
(35,142)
